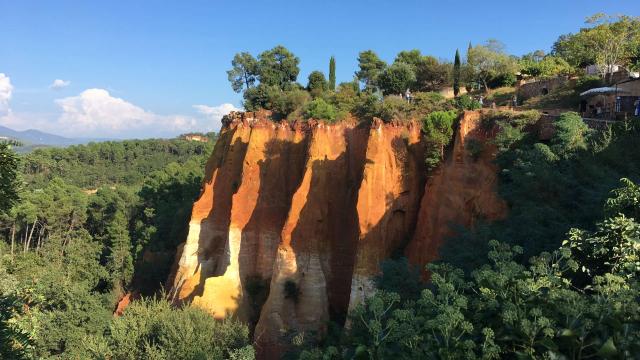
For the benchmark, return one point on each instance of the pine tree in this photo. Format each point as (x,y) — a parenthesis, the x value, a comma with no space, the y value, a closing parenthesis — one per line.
(456,74)
(332,74)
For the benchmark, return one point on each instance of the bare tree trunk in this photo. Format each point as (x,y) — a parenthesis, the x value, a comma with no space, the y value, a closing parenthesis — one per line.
(24,239)
(39,243)
(13,239)
(31,234)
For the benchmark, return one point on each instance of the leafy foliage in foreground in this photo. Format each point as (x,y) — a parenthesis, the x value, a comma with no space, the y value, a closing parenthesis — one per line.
(153,329)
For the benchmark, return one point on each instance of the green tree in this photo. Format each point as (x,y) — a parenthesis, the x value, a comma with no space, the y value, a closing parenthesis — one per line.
(278,67)
(8,177)
(244,72)
(456,74)
(609,40)
(332,74)
(411,57)
(120,259)
(489,61)
(317,83)
(431,74)
(396,79)
(548,66)
(370,67)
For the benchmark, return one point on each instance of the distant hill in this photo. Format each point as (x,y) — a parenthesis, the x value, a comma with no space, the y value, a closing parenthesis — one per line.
(36,139)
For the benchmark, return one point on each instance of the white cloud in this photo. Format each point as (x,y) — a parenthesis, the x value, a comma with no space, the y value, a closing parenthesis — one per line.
(6,89)
(59,84)
(96,113)
(215,114)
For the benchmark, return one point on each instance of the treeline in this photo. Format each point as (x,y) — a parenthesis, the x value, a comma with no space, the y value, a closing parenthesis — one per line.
(125,162)
(270,80)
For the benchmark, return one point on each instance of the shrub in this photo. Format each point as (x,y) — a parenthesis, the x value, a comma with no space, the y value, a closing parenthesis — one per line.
(367,106)
(289,102)
(501,80)
(260,97)
(466,102)
(571,133)
(394,107)
(345,98)
(511,125)
(438,129)
(426,102)
(152,329)
(320,109)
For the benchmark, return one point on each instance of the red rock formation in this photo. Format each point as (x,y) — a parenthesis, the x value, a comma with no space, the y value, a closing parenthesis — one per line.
(388,199)
(461,191)
(294,219)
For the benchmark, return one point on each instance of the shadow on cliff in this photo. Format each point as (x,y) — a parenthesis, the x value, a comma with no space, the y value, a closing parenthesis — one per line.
(281,172)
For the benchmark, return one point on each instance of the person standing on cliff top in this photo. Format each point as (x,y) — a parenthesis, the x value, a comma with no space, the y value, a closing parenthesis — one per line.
(408,95)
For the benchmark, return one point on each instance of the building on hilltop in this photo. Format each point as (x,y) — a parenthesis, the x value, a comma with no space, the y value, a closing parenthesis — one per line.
(194,137)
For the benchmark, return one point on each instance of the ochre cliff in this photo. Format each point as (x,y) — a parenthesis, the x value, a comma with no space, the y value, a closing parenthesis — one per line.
(295,218)
(461,191)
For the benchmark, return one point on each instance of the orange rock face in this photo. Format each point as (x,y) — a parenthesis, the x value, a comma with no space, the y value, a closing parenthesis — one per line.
(461,191)
(294,219)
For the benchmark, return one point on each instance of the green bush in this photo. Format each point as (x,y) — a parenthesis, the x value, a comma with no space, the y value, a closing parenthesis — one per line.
(571,133)
(438,130)
(502,80)
(426,102)
(289,102)
(394,107)
(152,329)
(511,125)
(466,102)
(320,110)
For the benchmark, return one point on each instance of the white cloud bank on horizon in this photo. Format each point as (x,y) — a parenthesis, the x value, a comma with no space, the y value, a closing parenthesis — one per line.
(6,90)
(95,113)
(59,84)
(215,114)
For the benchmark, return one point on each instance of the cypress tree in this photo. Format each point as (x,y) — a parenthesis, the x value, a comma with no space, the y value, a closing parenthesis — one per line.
(332,74)
(456,74)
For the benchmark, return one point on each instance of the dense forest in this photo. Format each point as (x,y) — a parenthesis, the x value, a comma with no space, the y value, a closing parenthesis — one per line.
(83,226)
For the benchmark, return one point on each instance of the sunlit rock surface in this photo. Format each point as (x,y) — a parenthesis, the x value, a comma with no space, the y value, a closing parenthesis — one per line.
(295,218)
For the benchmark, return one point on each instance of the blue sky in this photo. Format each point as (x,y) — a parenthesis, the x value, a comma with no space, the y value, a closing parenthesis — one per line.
(137,68)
